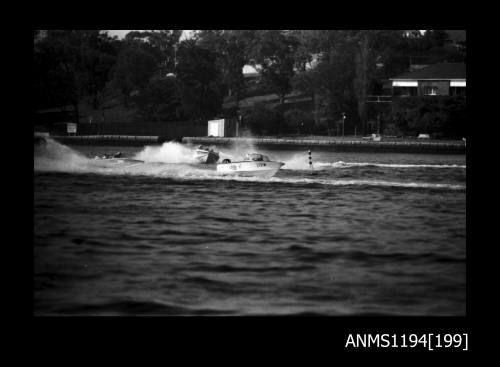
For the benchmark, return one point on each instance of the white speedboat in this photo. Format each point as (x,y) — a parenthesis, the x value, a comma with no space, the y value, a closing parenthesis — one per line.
(253,165)
(204,154)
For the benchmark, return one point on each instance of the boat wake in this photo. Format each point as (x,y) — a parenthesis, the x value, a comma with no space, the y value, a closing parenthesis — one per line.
(50,155)
(175,161)
(378,183)
(341,164)
(300,162)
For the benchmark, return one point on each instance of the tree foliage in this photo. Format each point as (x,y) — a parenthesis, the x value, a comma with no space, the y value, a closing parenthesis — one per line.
(134,68)
(439,116)
(160,101)
(275,51)
(199,81)
(263,119)
(233,50)
(71,64)
(166,79)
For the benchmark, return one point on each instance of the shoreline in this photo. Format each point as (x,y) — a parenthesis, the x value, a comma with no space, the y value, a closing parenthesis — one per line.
(342,144)
(323,142)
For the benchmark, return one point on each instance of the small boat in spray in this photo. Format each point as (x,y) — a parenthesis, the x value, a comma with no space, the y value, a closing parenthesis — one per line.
(253,165)
(109,156)
(117,158)
(205,155)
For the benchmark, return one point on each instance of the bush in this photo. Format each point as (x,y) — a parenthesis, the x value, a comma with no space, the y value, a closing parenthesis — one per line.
(159,101)
(392,129)
(324,127)
(298,121)
(230,112)
(256,89)
(439,116)
(262,119)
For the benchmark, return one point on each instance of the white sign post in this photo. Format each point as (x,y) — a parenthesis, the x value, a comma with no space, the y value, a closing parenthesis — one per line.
(71,128)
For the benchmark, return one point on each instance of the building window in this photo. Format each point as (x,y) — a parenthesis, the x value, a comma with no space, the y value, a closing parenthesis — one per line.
(457,91)
(430,91)
(405,91)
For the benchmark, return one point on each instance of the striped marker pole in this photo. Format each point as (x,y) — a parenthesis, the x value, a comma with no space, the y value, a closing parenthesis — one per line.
(310,161)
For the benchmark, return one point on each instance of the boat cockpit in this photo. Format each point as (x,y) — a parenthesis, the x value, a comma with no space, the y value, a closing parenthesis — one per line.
(256,157)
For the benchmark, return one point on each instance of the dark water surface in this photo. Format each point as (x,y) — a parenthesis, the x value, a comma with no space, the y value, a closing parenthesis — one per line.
(369,234)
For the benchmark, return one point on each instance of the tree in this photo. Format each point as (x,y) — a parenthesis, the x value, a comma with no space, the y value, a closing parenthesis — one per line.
(334,75)
(71,64)
(160,101)
(97,58)
(54,65)
(440,116)
(275,52)
(298,121)
(371,47)
(133,70)
(162,45)
(262,119)
(307,80)
(437,37)
(199,81)
(232,49)
(60,74)
(364,61)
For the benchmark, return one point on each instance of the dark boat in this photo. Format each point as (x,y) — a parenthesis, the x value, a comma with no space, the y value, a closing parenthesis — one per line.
(206,155)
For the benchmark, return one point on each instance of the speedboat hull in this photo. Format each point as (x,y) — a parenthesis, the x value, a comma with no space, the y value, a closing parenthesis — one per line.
(250,169)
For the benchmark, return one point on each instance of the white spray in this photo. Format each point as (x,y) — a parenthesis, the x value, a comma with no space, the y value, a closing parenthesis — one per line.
(53,156)
(170,152)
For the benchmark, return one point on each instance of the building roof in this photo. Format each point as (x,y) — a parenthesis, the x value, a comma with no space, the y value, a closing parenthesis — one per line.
(447,70)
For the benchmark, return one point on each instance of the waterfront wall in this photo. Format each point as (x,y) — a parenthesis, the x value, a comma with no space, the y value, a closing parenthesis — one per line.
(139,140)
(166,130)
(345,144)
(341,144)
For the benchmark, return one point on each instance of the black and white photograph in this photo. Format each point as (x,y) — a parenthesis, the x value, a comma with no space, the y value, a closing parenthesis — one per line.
(238,173)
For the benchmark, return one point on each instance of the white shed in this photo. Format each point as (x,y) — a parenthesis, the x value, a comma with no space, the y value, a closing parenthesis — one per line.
(223,128)
(216,128)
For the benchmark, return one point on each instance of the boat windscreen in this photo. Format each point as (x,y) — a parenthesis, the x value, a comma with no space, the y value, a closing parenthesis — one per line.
(256,157)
